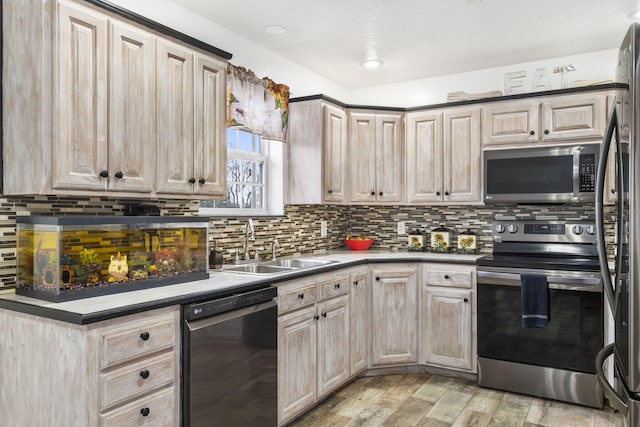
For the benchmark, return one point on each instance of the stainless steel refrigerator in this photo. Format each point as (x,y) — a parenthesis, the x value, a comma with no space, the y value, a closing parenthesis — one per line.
(622,280)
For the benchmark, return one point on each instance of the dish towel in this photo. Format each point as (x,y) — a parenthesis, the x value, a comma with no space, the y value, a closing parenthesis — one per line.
(534,293)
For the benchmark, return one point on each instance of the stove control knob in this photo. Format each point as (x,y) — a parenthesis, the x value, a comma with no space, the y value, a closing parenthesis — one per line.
(577,229)
(591,230)
(499,228)
(512,228)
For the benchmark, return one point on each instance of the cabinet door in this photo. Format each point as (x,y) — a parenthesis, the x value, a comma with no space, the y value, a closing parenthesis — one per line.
(389,159)
(573,117)
(174,67)
(424,157)
(131,109)
(358,322)
(622,102)
(210,127)
(335,150)
(462,155)
(333,344)
(361,163)
(394,315)
(297,367)
(510,122)
(448,339)
(79,152)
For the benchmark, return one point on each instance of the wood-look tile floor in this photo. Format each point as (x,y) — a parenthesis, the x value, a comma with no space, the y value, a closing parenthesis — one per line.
(434,400)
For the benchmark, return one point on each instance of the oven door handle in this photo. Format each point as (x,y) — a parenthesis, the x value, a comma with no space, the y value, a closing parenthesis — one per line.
(587,284)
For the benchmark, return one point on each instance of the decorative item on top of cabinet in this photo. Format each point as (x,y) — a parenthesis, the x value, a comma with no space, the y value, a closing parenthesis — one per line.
(448,310)
(394,314)
(443,166)
(556,118)
(316,150)
(376,157)
(97,133)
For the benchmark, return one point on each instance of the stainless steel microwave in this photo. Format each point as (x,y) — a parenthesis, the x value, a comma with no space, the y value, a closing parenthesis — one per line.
(563,174)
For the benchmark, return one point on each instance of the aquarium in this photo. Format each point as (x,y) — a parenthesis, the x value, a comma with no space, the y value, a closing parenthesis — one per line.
(71,257)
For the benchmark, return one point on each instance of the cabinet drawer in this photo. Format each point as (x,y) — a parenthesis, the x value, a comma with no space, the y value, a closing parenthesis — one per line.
(334,287)
(159,407)
(137,340)
(452,276)
(129,382)
(296,297)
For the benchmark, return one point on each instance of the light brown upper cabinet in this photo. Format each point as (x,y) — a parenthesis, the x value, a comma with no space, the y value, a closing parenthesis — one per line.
(375,157)
(443,156)
(119,110)
(316,153)
(191,121)
(549,119)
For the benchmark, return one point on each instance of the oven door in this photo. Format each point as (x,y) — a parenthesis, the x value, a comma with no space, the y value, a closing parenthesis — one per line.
(575,331)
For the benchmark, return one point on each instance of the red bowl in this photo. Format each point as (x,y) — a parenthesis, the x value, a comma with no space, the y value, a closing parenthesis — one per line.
(358,245)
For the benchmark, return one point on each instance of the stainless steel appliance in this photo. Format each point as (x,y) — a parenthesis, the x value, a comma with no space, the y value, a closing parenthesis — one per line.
(541,175)
(623,291)
(230,348)
(556,361)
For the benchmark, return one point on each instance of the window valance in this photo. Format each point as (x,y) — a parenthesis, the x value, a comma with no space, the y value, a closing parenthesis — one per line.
(260,106)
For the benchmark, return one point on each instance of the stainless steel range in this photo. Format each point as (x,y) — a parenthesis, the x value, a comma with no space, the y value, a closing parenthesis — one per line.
(556,361)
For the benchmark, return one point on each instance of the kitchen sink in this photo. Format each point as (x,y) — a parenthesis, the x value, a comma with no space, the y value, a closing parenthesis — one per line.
(257,269)
(277,266)
(298,263)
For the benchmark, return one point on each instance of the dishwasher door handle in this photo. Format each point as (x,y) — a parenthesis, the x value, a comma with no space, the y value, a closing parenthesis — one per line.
(195,325)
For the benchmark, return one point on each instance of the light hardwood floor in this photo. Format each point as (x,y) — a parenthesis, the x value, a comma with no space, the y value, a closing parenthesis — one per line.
(434,400)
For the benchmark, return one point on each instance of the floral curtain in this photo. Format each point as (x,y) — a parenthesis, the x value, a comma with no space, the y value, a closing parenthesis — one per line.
(257,105)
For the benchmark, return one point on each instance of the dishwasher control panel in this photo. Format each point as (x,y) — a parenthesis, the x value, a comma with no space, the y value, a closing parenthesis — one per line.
(212,307)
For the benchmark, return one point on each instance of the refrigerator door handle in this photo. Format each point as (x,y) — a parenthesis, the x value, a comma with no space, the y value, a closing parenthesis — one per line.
(616,401)
(612,125)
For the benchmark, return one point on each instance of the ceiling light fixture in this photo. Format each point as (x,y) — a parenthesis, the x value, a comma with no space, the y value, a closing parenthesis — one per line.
(275,29)
(372,63)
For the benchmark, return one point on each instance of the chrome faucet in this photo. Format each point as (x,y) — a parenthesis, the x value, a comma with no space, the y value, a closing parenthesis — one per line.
(249,235)
(274,245)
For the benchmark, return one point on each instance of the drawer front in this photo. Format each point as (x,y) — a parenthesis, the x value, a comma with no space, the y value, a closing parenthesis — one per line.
(452,276)
(136,379)
(137,340)
(334,287)
(297,297)
(160,410)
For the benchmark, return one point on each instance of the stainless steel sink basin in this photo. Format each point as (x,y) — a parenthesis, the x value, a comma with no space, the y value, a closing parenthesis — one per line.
(298,263)
(257,269)
(277,266)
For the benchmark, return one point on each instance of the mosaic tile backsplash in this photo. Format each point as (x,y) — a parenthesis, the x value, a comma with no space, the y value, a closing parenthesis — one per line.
(298,230)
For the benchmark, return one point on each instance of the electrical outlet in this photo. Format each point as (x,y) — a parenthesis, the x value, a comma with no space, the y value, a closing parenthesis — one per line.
(323,228)
(401,228)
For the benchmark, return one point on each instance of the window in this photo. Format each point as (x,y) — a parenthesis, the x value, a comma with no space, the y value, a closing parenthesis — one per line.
(254,177)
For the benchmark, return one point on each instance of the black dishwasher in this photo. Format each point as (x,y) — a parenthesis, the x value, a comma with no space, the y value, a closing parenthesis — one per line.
(229,361)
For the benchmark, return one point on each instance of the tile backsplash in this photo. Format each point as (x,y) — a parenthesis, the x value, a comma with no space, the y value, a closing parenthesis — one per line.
(298,230)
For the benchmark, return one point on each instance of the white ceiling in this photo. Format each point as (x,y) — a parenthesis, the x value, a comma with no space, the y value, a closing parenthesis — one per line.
(421,38)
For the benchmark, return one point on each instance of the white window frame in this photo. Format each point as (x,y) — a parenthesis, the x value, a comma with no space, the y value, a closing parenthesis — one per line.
(272,152)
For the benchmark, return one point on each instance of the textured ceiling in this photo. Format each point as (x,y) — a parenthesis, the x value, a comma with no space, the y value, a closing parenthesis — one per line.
(421,38)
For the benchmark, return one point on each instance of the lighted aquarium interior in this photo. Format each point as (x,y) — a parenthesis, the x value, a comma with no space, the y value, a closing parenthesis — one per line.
(62,258)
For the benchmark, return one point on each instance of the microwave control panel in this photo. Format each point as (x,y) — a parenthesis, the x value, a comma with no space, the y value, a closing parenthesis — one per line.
(587,173)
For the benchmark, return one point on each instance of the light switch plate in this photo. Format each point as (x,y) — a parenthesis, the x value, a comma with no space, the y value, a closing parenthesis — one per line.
(401,228)
(323,228)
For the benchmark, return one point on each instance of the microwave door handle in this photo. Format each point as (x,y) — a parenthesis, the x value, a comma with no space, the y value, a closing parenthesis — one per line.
(600,175)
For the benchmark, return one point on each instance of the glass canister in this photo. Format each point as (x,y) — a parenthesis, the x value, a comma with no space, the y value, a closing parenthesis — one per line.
(440,239)
(467,242)
(415,240)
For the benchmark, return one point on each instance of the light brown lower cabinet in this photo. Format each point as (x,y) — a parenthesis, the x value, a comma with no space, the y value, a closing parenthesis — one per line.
(448,311)
(313,341)
(118,372)
(358,306)
(394,314)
